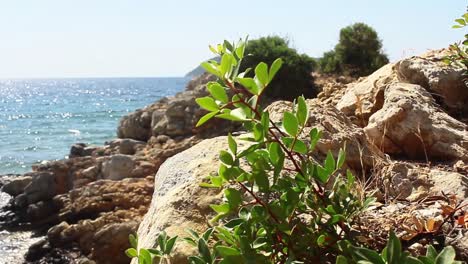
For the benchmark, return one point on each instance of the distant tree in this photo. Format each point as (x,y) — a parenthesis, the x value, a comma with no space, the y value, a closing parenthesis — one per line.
(358,52)
(294,78)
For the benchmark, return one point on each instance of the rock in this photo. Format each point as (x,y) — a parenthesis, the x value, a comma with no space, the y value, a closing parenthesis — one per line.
(129,146)
(178,201)
(337,131)
(442,81)
(411,124)
(42,187)
(17,185)
(77,150)
(365,97)
(135,125)
(109,243)
(404,180)
(118,167)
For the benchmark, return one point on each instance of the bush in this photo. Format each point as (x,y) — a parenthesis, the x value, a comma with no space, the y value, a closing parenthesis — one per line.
(293,79)
(280,206)
(459,51)
(358,52)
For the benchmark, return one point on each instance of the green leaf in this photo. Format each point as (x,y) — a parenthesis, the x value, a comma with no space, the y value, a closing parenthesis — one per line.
(205,118)
(315,135)
(228,45)
(322,174)
(393,249)
(240,50)
(226,157)
(261,72)
(227,251)
(209,67)
(321,240)
(133,240)
(196,260)
(412,260)
(207,103)
(234,197)
(369,255)
(218,92)
(461,21)
(275,66)
(204,251)
(329,163)
(431,252)
(446,256)
(290,124)
(220,208)
(239,113)
(299,145)
(341,260)
(131,253)
(232,144)
(226,63)
(249,84)
(341,159)
(275,152)
(145,256)
(170,245)
(162,241)
(258,132)
(302,112)
(261,179)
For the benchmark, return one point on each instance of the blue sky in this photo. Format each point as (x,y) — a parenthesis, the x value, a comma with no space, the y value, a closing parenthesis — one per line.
(119,38)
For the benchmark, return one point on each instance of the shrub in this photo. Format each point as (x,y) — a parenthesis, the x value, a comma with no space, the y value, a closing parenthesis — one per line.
(358,52)
(293,79)
(459,51)
(281,206)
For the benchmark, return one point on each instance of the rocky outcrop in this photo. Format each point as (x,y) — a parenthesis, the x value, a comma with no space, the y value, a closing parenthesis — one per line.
(363,98)
(444,82)
(377,115)
(411,123)
(337,132)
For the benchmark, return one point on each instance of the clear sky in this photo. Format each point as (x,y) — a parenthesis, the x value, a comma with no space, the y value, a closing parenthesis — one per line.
(130,38)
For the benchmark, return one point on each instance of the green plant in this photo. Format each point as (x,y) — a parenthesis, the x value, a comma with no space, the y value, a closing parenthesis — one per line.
(159,254)
(293,79)
(358,52)
(284,207)
(393,254)
(459,51)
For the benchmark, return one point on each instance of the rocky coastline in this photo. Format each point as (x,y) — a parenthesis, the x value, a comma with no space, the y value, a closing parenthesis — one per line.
(406,133)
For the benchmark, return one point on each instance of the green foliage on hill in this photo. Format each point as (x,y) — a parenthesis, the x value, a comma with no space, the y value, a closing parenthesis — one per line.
(358,52)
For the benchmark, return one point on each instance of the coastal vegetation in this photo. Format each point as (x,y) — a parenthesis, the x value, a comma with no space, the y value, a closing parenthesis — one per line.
(280,205)
(358,52)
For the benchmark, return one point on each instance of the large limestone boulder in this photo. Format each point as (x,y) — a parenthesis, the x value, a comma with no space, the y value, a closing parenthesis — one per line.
(410,123)
(444,82)
(338,131)
(366,96)
(178,201)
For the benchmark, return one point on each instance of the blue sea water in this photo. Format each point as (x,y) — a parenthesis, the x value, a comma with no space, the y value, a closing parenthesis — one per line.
(41,118)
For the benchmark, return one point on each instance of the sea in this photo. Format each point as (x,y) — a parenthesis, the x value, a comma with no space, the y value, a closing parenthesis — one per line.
(41,118)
